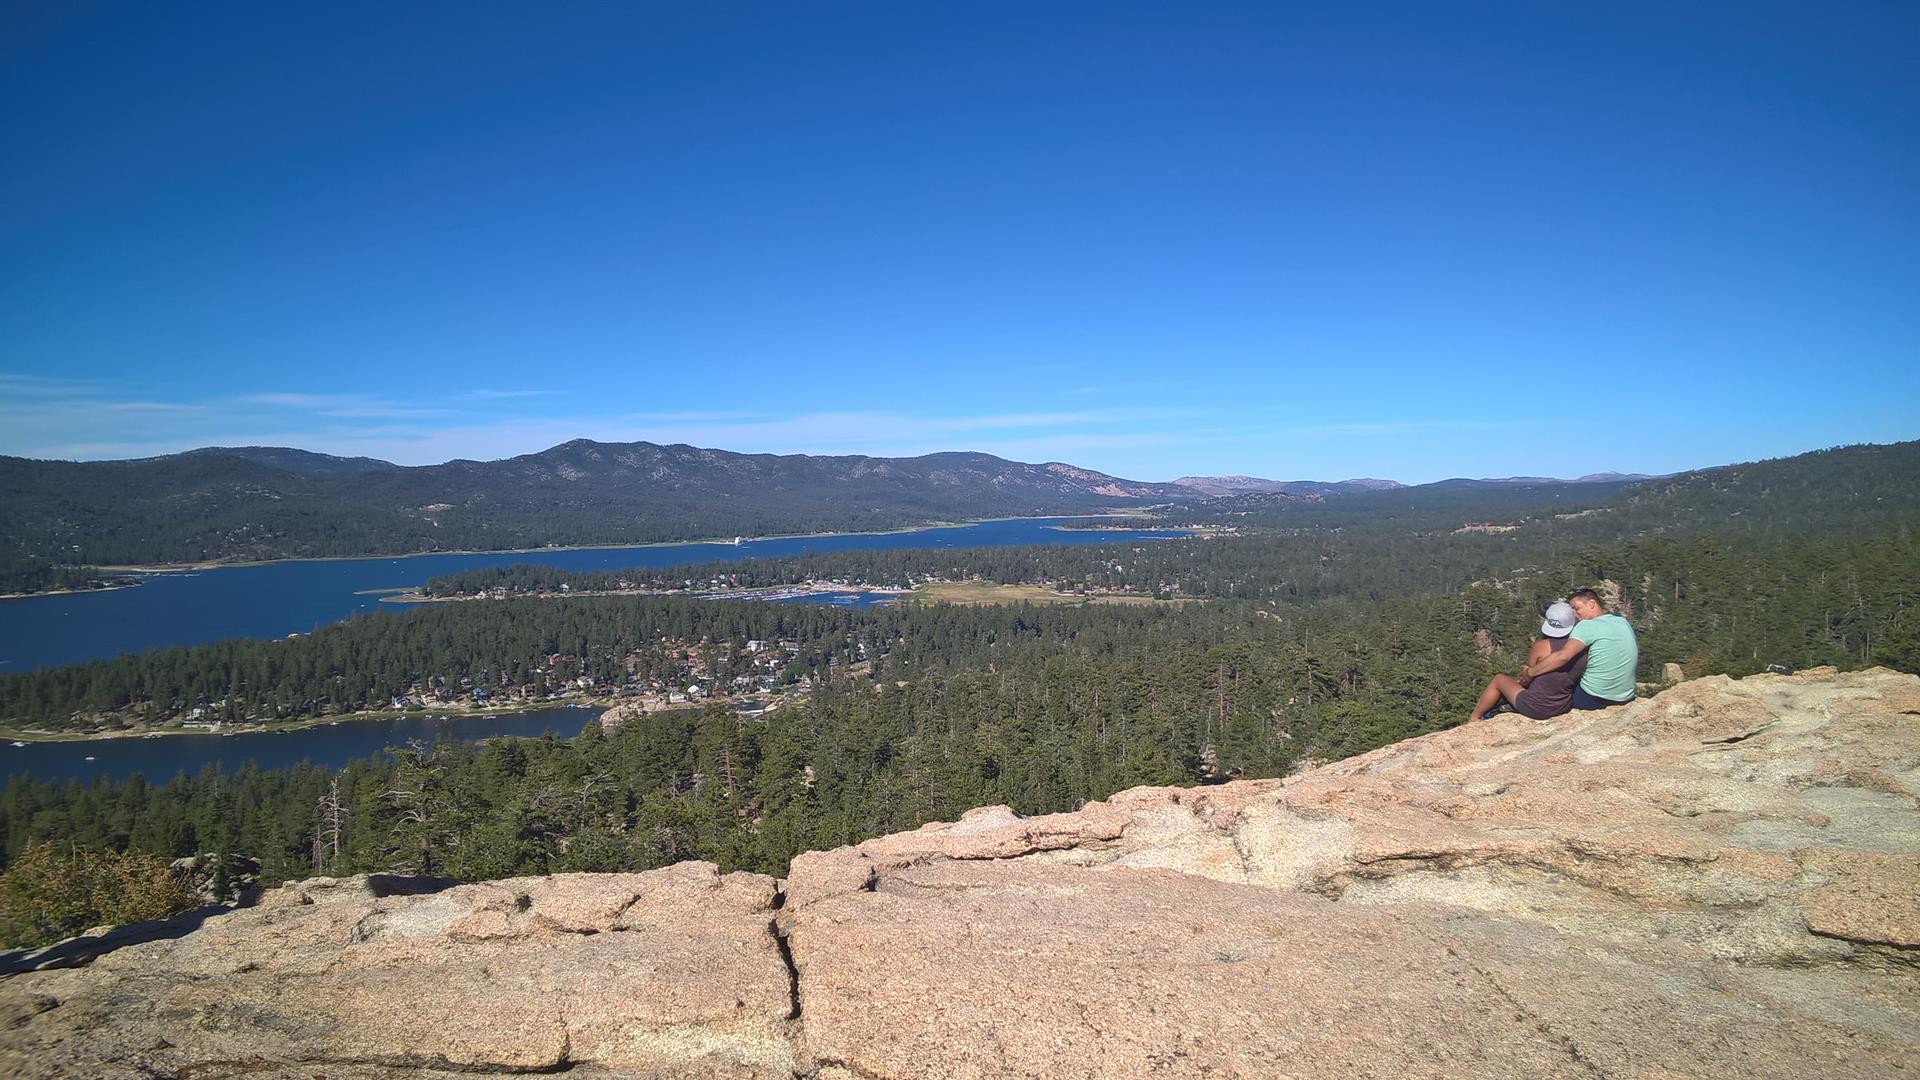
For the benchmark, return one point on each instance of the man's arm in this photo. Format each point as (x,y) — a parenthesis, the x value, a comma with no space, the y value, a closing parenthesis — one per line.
(1534,653)
(1554,661)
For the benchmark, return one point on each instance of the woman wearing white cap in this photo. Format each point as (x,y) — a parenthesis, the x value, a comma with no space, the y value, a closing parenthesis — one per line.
(1545,695)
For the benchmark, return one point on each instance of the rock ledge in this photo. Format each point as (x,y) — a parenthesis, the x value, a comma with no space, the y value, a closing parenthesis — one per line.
(1724,880)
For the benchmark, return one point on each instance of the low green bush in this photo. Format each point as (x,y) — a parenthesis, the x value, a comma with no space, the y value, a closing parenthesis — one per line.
(47,894)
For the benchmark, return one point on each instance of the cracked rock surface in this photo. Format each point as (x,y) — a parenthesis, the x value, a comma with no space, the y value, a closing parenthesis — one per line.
(1722,881)
(669,973)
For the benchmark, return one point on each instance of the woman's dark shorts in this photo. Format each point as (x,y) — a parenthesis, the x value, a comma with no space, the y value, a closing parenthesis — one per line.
(1532,711)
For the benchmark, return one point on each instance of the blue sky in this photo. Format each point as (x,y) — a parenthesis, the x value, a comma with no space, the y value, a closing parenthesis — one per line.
(1410,241)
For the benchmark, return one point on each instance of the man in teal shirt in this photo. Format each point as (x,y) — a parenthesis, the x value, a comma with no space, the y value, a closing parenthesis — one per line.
(1612,651)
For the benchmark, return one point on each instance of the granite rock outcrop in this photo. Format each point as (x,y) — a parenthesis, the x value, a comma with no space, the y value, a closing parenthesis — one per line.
(1720,881)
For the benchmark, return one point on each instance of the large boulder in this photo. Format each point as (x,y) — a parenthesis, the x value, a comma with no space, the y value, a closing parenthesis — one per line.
(675,972)
(1722,881)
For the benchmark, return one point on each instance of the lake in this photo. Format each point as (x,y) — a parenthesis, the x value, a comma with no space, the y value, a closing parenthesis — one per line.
(277,599)
(160,758)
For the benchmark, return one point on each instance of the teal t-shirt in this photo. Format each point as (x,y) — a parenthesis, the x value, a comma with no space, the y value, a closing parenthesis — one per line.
(1613,657)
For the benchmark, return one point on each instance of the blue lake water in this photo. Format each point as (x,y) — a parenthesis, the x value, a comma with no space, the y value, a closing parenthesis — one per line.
(278,599)
(160,758)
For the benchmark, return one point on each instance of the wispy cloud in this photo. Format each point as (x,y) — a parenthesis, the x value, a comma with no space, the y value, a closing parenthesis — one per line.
(20,416)
(503,395)
(55,418)
(173,407)
(1387,428)
(22,385)
(1052,419)
(1133,388)
(299,401)
(341,406)
(689,417)
(382,412)
(96,424)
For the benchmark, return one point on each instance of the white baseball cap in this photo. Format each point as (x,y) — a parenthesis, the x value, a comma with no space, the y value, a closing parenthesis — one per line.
(1560,620)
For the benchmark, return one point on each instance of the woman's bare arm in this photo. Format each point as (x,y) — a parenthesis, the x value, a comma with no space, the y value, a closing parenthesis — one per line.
(1554,661)
(1539,649)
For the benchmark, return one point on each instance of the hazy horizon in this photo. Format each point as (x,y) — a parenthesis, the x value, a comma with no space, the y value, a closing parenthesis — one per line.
(1151,477)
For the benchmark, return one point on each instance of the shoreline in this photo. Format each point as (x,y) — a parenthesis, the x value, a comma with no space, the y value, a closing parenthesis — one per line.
(573,701)
(28,736)
(128,584)
(176,568)
(411,597)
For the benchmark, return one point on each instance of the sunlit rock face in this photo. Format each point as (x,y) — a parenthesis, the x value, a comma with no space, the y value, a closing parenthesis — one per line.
(669,973)
(1721,881)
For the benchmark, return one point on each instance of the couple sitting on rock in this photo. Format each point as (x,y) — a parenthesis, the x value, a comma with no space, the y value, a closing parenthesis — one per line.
(1586,658)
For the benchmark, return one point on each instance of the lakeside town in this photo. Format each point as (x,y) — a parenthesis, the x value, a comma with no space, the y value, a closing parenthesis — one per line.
(752,677)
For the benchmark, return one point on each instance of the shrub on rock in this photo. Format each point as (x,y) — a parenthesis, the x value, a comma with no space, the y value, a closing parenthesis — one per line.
(47,894)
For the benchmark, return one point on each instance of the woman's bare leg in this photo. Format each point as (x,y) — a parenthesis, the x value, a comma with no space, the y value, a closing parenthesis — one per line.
(1500,687)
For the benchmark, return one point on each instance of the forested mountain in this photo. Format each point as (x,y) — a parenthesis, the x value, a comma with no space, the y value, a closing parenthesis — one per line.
(268,503)
(223,504)
(1825,490)
(289,459)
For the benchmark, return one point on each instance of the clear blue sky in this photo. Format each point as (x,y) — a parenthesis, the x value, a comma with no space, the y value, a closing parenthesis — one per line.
(1322,240)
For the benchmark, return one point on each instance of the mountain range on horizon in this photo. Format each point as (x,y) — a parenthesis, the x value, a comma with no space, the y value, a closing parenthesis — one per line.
(225,504)
(244,503)
(296,460)
(1254,485)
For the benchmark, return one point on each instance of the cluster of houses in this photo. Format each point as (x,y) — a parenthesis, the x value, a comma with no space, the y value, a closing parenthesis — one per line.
(666,674)
(709,672)
(707,680)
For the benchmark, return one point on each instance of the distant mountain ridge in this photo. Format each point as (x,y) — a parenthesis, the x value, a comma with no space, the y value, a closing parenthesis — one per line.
(226,503)
(1219,486)
(1246,485)
(287,459)
(1516,481)
(222,504)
